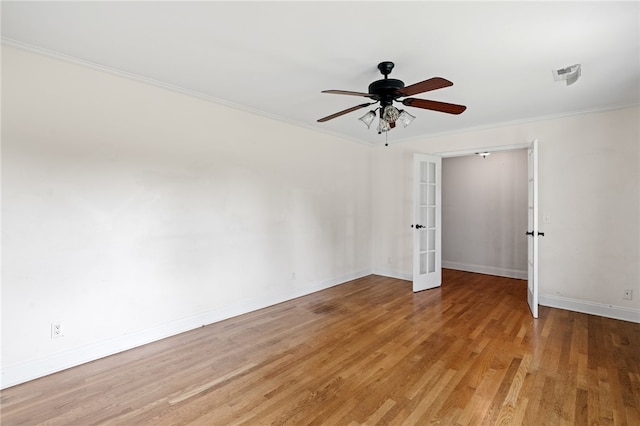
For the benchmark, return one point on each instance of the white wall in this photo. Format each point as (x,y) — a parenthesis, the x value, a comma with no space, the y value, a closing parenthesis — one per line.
(589,190)
(131,213)
(484,213)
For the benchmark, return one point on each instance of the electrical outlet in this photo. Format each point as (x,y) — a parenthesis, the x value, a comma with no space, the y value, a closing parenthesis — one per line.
(57,330)
(628,294)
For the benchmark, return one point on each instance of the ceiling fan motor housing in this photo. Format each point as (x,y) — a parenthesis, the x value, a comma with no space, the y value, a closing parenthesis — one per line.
(386,90)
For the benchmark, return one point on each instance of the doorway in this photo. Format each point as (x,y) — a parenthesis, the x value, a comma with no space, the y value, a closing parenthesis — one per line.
(484,213)
(532,212)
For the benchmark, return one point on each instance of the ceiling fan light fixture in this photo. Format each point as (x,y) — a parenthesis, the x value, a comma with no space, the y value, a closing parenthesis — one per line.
(405,118)
(390,114)
(368,118)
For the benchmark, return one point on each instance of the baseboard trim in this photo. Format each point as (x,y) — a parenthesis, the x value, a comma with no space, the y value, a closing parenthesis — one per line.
(488,270)
(392,274)
(592,308)
(15,374)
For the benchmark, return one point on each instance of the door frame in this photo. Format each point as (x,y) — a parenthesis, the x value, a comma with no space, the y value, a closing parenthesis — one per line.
(474,151)
(466,152)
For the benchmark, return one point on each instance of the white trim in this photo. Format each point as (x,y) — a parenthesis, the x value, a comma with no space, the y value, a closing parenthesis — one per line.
(519,122)
(467,152)
(373,144)
(592,308)
(392,274)
(15,374)
(173,88)
(488,270)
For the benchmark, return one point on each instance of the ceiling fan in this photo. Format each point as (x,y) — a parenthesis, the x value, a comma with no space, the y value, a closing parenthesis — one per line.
(388,90)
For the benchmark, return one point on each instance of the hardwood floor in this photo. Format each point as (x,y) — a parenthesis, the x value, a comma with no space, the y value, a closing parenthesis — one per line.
(366,352)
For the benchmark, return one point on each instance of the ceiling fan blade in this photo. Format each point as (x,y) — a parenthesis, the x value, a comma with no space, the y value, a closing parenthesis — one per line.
(434,105)
(346,111)
(425,86)
(347,92)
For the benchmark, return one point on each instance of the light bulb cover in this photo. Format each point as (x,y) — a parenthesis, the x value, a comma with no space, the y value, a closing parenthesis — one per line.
(390,113)
(383,126)
(405,118)
(368,118)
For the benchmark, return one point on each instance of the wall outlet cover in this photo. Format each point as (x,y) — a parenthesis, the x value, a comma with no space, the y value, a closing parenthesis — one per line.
(57,330)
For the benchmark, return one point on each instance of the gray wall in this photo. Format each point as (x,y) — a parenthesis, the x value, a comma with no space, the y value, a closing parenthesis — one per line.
(484,213)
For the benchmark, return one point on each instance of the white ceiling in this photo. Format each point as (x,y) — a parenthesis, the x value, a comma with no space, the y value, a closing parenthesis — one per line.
(274,58)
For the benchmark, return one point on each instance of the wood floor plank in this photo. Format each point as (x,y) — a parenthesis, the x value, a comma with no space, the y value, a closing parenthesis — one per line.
(369,351)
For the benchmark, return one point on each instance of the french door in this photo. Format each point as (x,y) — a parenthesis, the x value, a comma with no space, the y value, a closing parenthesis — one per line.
(427,228)
(532,231)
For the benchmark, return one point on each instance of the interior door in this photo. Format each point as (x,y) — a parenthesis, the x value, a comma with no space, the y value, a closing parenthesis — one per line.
(427,255)
(532,231)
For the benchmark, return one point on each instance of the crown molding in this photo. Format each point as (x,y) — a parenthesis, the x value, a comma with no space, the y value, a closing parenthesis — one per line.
(179,89)
(168,86)
(518,122)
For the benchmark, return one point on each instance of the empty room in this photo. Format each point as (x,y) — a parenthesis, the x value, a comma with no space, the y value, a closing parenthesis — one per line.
(329,213)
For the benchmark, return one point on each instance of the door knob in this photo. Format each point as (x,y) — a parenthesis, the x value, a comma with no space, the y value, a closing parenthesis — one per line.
(530,233)
(420,226)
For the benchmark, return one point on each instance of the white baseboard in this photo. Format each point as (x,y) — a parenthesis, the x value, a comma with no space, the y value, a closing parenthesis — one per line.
(392,274)
(15,374)
(489,270)
(593,308)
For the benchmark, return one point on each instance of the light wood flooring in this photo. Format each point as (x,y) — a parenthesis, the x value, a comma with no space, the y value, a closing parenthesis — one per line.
(366,352)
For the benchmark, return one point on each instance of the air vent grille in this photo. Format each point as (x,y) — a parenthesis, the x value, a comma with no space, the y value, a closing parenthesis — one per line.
(569,74)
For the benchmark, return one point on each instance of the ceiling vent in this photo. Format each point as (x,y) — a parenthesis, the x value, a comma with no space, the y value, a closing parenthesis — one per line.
(569,74)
